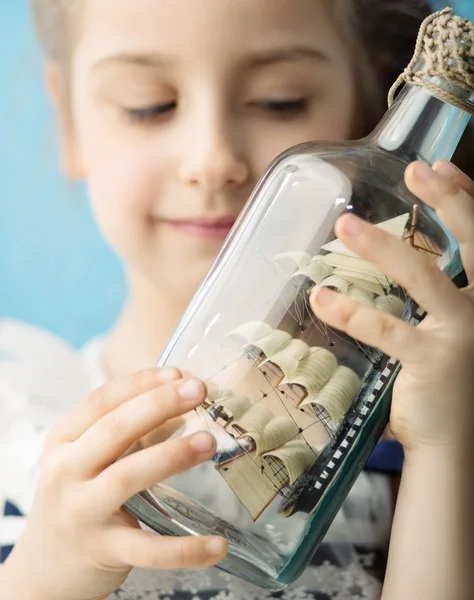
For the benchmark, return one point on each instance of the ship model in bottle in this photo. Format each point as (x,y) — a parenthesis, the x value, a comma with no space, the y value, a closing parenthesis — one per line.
(296,406)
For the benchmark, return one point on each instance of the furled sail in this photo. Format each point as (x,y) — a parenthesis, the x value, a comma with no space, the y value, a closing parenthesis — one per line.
(396,227)
(390,304)
(254,419)
(231,408)
(337,395)
(288,357)
(276,432)
(272,343)
(291,260)
(313,371)
(291,460)
(250,332)
(316,270)
(346,272)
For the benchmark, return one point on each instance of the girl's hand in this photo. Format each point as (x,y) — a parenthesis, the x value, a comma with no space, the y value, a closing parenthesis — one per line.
(79,543)
(433,397)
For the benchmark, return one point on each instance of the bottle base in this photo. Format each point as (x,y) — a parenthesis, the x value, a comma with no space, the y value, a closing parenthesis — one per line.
(160,510)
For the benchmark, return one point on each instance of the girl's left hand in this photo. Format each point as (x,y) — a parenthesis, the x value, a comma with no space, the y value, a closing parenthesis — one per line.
(433,396)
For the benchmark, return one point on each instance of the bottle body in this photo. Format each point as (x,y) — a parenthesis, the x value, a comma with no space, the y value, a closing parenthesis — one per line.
(295,406)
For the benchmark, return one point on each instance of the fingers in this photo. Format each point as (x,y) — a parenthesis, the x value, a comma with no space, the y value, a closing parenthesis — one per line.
(424,281)
(146,468)
(451,193)
(368,325)
(146,550)
(114,434)
(449,171)
(108,397)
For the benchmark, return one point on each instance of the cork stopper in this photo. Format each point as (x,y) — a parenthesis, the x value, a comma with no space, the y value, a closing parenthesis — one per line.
(443,62)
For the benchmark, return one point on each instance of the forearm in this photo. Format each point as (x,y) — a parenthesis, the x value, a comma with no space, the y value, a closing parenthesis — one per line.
(432,546)
(18,586)
(20,580)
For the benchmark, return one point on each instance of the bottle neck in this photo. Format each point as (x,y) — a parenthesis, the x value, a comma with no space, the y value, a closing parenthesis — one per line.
(420,126)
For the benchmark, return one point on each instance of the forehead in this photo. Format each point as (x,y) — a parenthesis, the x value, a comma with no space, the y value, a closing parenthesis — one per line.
(188,30)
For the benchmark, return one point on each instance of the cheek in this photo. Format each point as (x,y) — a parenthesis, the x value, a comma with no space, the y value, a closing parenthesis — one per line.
(324,126)
(330,119)
(124,177)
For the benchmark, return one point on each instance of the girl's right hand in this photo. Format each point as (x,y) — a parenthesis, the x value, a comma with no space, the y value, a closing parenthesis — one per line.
(79,542)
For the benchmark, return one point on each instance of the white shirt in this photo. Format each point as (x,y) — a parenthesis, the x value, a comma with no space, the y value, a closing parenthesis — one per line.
(42,377)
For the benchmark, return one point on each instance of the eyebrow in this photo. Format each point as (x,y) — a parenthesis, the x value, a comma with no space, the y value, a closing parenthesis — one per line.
(149,60)
(262,59)
(252,61)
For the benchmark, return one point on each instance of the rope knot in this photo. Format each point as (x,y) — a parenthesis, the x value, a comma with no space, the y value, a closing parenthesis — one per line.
(444,48)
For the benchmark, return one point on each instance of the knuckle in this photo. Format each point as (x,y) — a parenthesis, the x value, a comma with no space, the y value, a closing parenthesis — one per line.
(50,442)
(146,550)
(96,402)
(449,187)
(349,313)
(186,554)
(142,380)
(386,327)
(165,400)
(55,467)
(114,428)
(122,484)
(179,454)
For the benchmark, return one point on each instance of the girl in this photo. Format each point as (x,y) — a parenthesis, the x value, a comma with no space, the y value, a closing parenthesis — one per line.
(170,111)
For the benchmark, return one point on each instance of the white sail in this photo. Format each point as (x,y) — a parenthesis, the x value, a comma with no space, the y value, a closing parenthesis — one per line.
(276,433)
(250,332)
(293,260)
(236,406)
(272,343)
(396,227)
(313,371)
(216,393)
(295,458)
(338,394)
(359,267)
(288,357)
(316,270)
(365,281)
(361,295)
(390,304)
(336,283)
(253,420)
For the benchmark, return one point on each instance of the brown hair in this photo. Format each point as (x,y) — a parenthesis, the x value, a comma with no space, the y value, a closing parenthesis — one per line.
(380,34)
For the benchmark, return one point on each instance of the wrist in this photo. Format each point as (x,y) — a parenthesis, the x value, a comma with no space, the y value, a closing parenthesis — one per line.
(458,452)
(17,581)
(17,588)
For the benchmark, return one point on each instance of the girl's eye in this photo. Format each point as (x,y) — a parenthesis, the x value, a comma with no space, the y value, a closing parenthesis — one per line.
(283,107)
(150,113)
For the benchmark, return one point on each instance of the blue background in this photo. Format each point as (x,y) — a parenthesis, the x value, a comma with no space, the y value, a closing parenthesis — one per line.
(55,270)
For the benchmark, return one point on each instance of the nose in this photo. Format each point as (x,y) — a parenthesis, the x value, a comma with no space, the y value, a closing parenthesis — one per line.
(211,159)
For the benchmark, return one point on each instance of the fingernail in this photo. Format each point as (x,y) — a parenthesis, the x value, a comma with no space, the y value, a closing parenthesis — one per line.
(446,169)
(215,546)
(424,171)
(192,390)
(323,296)
(202,442)
(352,225)
(168,373)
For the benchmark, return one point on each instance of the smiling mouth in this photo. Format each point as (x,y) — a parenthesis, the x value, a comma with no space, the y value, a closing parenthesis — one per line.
(212,229)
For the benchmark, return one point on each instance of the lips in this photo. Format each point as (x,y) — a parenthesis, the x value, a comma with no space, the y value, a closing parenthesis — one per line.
(213,229)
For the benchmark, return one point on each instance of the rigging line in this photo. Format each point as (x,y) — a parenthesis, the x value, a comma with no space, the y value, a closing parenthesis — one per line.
(299,318)
(224,368)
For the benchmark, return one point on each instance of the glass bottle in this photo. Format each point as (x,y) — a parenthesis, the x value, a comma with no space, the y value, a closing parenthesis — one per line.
(296,407)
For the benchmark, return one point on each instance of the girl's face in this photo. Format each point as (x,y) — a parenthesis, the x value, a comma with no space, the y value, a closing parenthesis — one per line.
(177,107)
